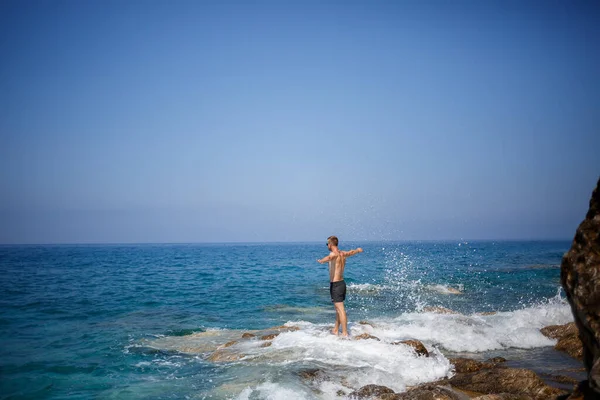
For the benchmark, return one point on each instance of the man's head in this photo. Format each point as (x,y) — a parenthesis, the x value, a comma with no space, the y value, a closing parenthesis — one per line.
(332,241)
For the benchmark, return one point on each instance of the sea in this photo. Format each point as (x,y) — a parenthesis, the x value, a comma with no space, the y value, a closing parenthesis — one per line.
(165,321)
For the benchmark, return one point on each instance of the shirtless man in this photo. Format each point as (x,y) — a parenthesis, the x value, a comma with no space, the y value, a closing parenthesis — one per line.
(337,286)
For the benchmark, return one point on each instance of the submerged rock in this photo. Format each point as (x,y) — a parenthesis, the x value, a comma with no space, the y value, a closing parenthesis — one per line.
(580,277)
(366,336)
(515,381)
(247,335)
(439,310)
(269,337)
(366,323)
(419,348)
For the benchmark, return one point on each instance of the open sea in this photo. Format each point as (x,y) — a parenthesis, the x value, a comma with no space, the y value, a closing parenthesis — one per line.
(150,321)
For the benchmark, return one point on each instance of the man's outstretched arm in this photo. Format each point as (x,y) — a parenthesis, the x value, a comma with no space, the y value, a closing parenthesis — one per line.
(326,259)
(352,252)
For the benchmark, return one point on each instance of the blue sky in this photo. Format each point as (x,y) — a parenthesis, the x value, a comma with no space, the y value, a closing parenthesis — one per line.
(156,121)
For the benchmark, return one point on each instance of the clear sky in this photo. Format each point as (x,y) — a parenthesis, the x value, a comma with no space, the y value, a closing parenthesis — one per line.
(177,121)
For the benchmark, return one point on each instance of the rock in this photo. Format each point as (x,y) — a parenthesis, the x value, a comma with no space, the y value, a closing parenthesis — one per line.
(369,391)
(514,381)
(284,328)
(561,378)
(366,336)
(228,344)
(366,323)
(431,392)
(568,338)
(503,396)
(488,313)
(314,374)
(269,337)
(465,365)
(416,345)
(559,331)
(340,393)
(572,346)
(224,356)
(247,335)
(439,310)
(266,344)
(580,277)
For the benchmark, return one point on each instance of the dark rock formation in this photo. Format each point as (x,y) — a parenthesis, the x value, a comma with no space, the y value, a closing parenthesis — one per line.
(580,277)
(247,335)
(269,337)
(513,381)
(419,348)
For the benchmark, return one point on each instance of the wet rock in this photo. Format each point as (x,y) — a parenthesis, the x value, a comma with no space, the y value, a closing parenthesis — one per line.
(419,348)
(560,378)
(488,313)
(580,277)
(559,331)
(514,381)
(431,392)
(568,338)
(439,310)
(269,337)
(228,344)
(247,335)
(224,356)
(370,391)
(340,393)
(503,396)
(266,344)
(365,336)
(313,374)
(284,328)
(366,323)
(466,365)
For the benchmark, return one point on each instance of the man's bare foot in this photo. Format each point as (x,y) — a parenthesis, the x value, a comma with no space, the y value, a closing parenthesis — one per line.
(333,331)
(345,334)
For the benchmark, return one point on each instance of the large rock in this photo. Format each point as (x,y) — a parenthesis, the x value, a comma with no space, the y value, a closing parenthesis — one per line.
(568,338)
(514,381)
(580,277)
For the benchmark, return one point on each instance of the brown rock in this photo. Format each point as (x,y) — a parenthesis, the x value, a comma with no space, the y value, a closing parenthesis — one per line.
(419,348)
(266,344)
(580,277)
(269,337)
(505,380)
(314,374)
(560,378)
(366,336)
(224,356)
(228,344)
(369,391)
(284,328)
(488,313)
(247,335)
(439,310)
(503,396)
(431,392)
(366,323)
(465,365)
(559,331)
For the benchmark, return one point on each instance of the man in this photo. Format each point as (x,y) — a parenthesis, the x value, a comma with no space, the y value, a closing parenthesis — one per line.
(337,286)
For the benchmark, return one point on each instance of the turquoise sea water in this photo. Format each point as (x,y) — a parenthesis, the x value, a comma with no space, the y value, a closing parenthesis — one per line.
(141,321)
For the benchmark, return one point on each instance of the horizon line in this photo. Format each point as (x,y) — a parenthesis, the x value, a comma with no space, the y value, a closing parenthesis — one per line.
(461,240)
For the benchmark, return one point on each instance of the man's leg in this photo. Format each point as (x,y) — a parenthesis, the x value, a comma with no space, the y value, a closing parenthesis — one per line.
(336,328)
(341,312)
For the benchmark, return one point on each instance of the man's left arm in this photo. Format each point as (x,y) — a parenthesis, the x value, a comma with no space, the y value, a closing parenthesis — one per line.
(352,252)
